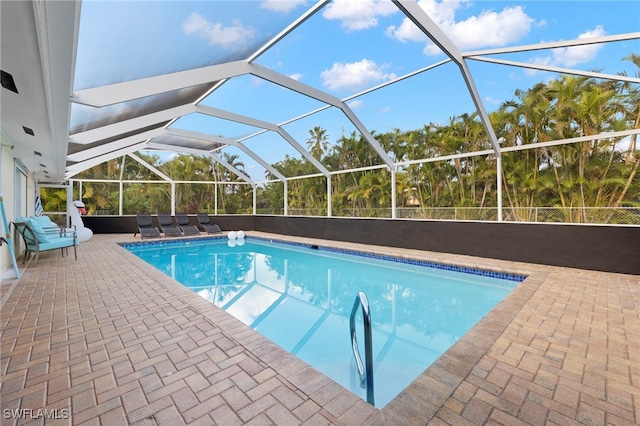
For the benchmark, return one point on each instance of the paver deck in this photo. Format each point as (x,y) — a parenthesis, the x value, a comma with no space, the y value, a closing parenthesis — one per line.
(110,340)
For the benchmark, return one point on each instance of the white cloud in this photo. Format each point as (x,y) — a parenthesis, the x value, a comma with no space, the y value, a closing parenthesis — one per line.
(281,6)
(489,29)
(540,60)
(231,37)
(256,81)
(296,76)
(492,100)
(360,14)
(570,56)
(355,75)
(355,104)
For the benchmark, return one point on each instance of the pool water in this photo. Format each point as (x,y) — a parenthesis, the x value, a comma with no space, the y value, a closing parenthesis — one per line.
(301,299)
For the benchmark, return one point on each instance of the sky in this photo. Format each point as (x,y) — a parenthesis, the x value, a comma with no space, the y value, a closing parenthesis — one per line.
(344,49)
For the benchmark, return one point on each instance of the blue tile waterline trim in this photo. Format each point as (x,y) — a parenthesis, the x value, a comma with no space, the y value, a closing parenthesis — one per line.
(167,242)
(425,263)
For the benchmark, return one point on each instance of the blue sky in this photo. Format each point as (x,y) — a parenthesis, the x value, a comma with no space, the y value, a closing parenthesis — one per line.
(347,47)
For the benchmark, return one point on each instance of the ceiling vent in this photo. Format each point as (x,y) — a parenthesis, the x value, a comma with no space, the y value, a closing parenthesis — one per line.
(28,131)
(7,81)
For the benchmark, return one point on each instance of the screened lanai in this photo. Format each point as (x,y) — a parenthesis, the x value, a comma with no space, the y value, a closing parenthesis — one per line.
(427,131)
(365,109)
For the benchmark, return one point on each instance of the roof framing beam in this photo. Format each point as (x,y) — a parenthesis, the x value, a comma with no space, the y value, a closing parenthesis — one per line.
(56,26)
(415,13)
(314,93)
(524,147)
(263,163)
(84,165)
(554,44)
(588,138)
(292,84)
(214,112)
(350,97)
(303,151)
(295,24)
(396,80)
(193,151)
(226,141)
(176,148)
(268,45)
(150,167)
(121,92)
(559,70)
(231,116)
(130,125)
(232,169)
(141,88)
(119,144)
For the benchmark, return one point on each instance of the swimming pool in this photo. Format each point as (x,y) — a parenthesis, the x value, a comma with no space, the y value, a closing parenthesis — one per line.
(301,298)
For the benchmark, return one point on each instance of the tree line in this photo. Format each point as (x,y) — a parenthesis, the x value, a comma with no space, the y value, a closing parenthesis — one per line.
(593,173)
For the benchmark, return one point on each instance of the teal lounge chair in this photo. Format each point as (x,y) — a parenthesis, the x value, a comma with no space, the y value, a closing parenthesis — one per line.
(38,239)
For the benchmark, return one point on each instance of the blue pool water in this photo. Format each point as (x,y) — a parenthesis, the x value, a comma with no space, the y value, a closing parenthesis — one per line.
(301,298)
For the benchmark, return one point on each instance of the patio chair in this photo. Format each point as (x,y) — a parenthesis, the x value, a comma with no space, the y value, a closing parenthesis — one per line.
(205,224)
(167,227)
(38,239)
(146,227)
(183,223)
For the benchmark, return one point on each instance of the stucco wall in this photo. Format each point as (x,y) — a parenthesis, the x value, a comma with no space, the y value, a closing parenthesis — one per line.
(125,224)
(7,183)
(604,248)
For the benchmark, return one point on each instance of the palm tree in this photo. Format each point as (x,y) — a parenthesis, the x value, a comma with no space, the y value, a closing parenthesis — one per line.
(580,175)
(318,142)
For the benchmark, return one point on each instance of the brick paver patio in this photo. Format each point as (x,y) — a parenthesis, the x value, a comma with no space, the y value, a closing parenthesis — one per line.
(109,340)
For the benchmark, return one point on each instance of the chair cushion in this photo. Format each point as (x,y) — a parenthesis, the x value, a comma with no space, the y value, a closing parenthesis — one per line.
(44,221)
(57,243)
(41,236)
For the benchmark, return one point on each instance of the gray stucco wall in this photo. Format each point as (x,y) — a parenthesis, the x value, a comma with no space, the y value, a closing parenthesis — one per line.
(603,248)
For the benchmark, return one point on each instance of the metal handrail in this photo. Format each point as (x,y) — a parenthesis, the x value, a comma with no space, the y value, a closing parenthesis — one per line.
(366,378)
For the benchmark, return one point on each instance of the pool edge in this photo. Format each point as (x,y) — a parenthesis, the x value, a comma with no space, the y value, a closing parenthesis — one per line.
(427,394)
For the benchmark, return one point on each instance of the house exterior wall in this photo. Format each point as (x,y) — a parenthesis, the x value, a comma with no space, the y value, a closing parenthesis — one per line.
(7,189)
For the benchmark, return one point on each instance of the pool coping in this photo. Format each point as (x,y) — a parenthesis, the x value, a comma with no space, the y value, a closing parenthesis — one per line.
(420,401)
